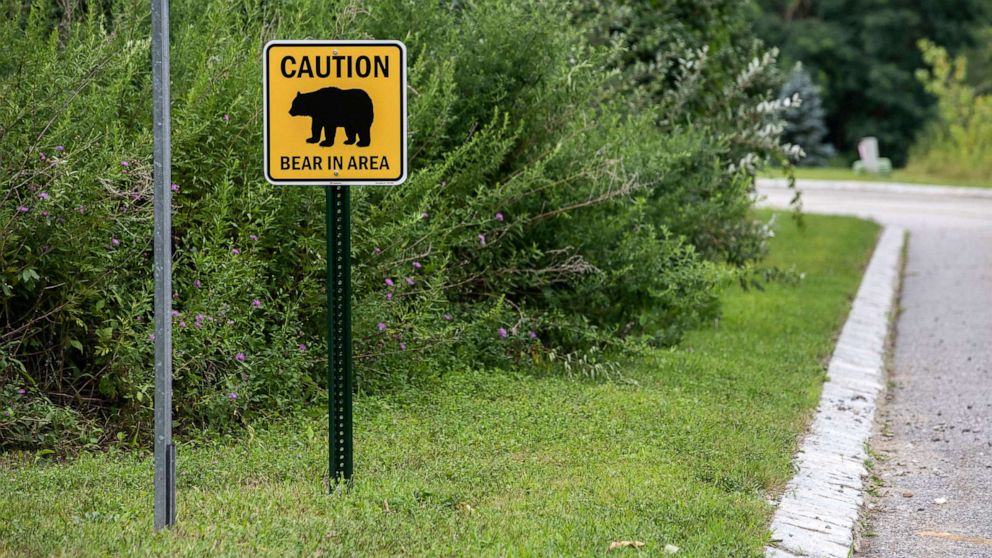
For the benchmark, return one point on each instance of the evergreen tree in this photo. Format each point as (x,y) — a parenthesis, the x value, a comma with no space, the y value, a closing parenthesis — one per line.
(804,124)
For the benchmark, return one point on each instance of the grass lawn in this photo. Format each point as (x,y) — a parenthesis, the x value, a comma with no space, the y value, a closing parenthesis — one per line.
(498,463)
(898,175)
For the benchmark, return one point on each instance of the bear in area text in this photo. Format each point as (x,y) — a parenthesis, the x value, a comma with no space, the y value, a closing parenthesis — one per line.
(331,108)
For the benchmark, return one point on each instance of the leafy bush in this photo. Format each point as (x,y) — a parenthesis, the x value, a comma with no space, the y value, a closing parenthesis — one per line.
(699,72)
(531,224)
(958,143)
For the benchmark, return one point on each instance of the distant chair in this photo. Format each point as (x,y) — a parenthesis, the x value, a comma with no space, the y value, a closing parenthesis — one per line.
(870,161)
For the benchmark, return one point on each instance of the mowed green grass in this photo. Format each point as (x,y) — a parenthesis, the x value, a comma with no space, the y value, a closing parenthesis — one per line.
(898,175)
(498,463)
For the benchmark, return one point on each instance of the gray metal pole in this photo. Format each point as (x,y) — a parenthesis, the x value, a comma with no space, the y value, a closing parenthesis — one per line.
(165,452)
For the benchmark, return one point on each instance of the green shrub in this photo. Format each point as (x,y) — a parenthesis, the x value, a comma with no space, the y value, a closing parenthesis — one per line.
(697,69)
(958,143)
(531,222)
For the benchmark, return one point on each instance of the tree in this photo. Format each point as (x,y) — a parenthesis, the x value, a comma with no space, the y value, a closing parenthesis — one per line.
(863,55)
(804,124)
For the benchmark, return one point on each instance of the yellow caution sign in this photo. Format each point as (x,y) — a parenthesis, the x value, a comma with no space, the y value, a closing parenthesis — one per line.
(335,112)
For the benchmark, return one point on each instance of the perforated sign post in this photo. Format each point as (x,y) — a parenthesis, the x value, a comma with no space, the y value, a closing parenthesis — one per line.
(335,116)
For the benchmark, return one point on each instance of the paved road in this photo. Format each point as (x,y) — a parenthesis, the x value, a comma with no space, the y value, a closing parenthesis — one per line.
(935,427)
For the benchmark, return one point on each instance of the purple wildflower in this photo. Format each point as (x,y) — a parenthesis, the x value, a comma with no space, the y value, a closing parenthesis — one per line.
(235,251)
(42,155)
(425,216)
(402,346)
(227,118)
(409,281)
(389,282)
(389,296)
(381,326)
(232,396)
(256,303)
(240,357)
(182,324)
(175,313)
(43,195)
(200,317)
(59,148)
(44,213)
(197,284)
(253,236)
(151,337)
(23,209)
(21,391)
(303,347)
(174,187)
(482,240)
(376,251)
(502,332)
(532,334)
(115,242)
(125,164)
(448,318)
(418,265)
(499,216)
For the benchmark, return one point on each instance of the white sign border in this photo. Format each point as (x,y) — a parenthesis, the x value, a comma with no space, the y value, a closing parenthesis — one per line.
(265,113)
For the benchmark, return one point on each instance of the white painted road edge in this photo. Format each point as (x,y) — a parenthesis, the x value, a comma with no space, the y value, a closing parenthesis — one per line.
(819,508)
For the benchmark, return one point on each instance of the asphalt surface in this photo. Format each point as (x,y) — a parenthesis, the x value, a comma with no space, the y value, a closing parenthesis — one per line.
(934,435)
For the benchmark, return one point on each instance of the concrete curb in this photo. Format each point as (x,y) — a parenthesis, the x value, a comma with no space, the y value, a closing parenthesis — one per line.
(819,509)
(881,187)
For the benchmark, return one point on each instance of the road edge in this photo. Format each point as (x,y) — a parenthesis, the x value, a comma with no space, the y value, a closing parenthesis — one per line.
(819,509)
(882,187)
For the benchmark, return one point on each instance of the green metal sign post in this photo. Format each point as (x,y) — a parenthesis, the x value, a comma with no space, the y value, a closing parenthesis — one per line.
(339,374)
(312,90)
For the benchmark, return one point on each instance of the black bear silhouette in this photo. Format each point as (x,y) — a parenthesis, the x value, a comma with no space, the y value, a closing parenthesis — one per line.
(331,108)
